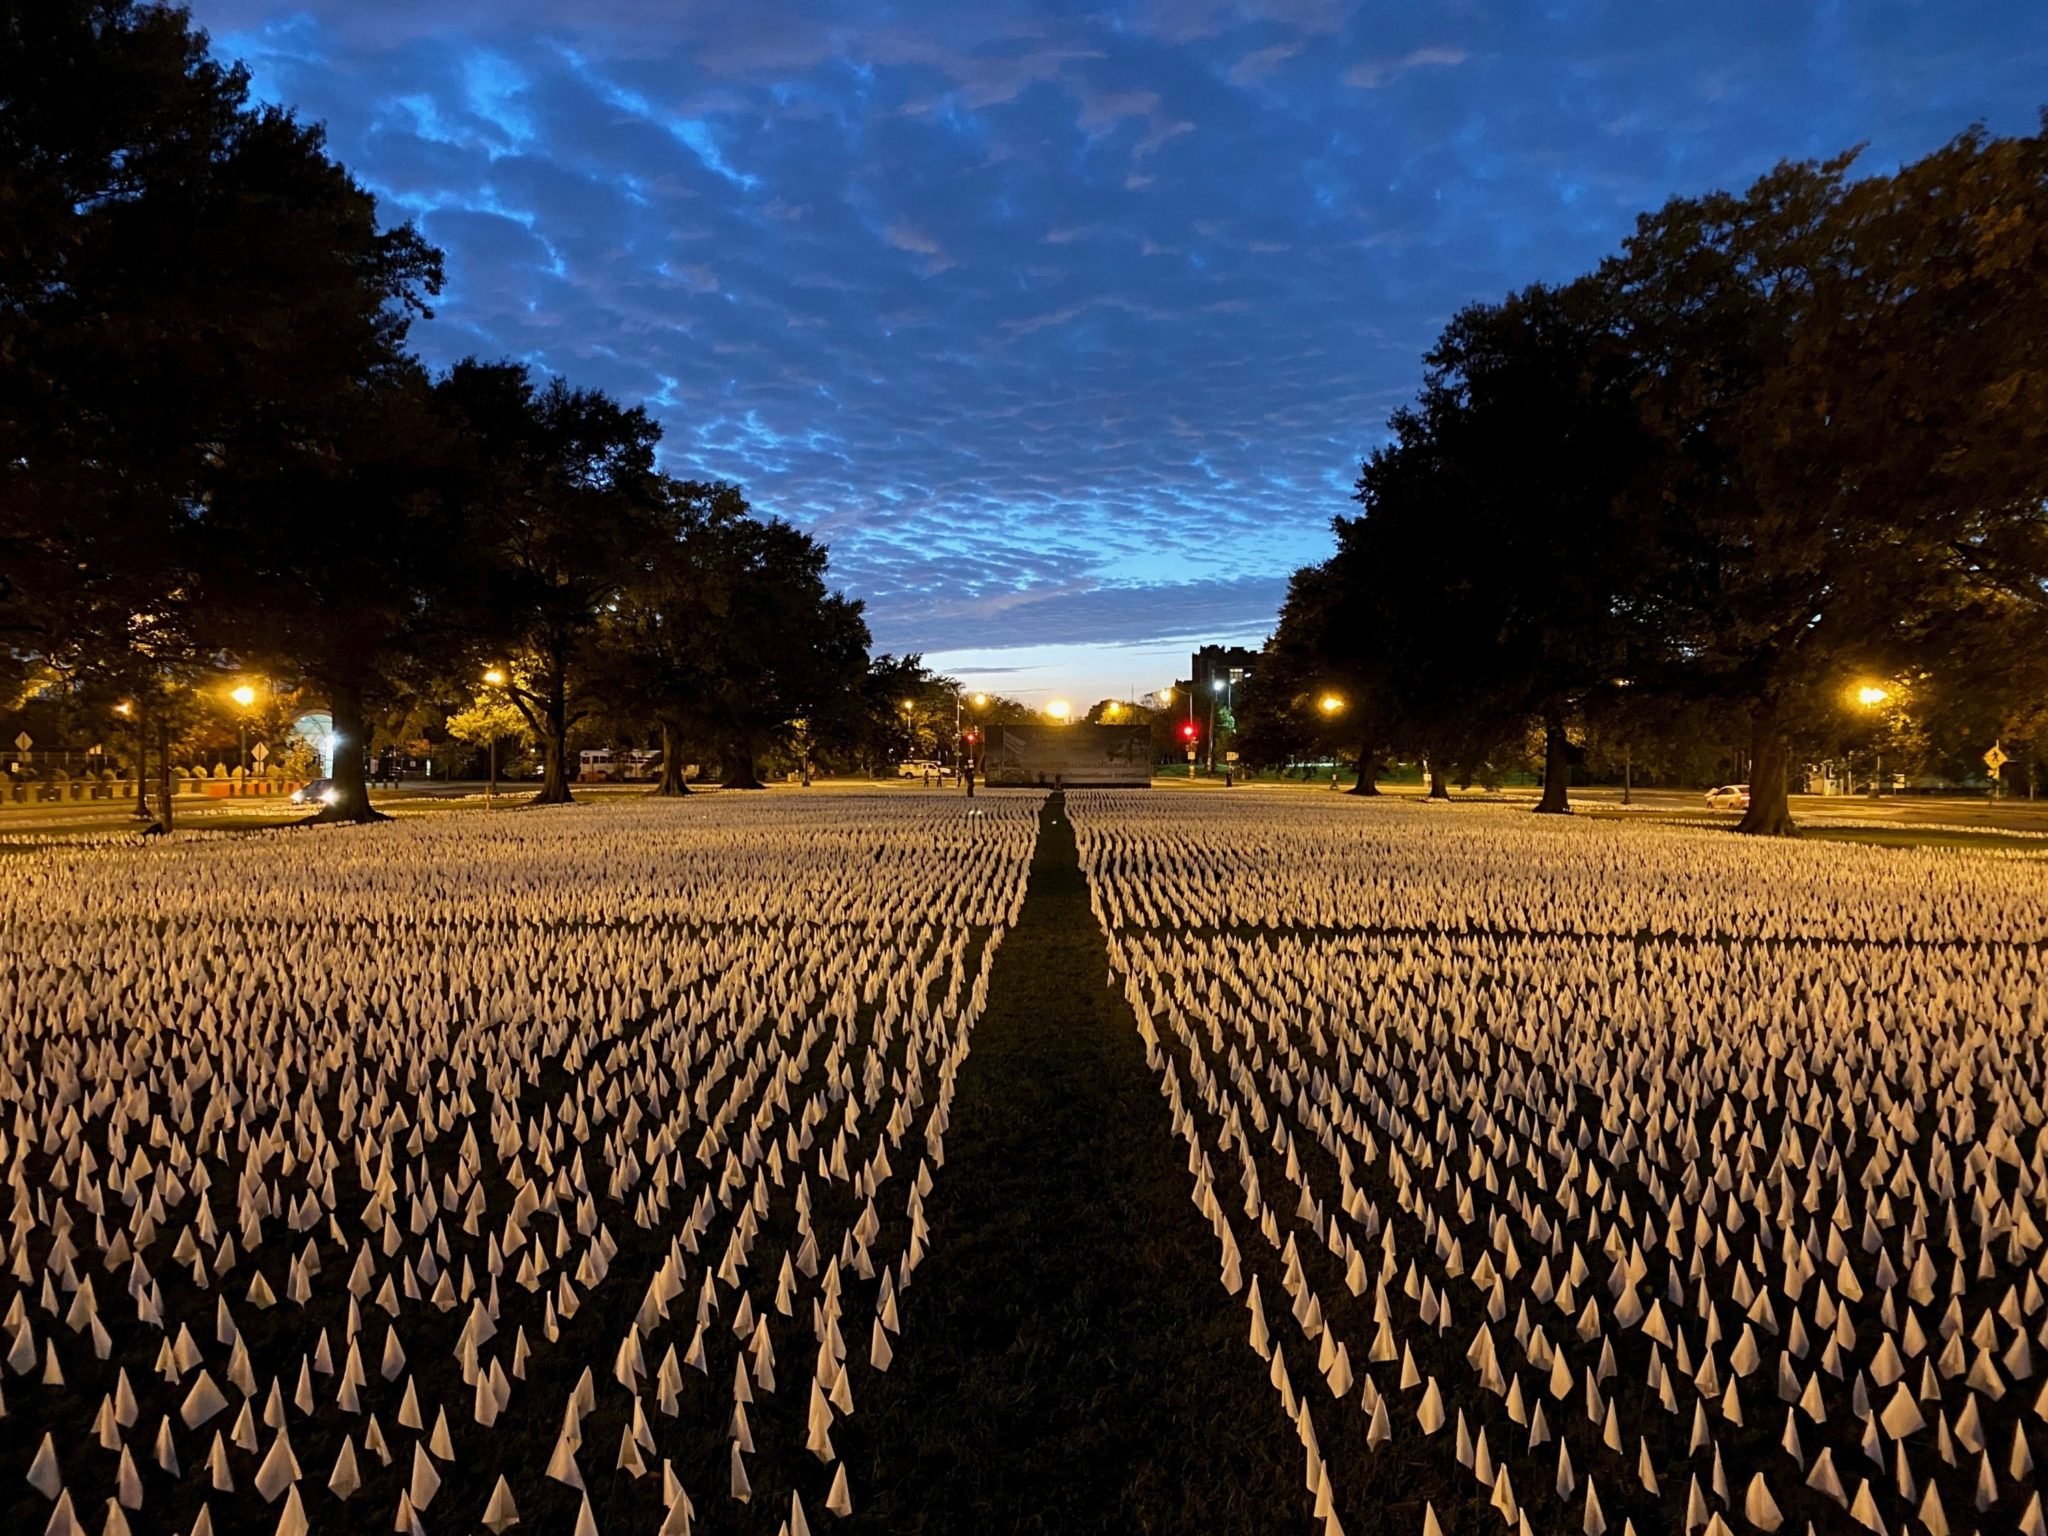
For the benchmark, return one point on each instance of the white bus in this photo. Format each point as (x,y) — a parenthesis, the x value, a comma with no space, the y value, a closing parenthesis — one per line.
(601,765)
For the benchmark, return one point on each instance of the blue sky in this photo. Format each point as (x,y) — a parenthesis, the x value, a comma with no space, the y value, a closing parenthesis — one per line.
(1066,325)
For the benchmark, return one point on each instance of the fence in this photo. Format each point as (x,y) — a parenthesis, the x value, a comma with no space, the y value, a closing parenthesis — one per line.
(82,788)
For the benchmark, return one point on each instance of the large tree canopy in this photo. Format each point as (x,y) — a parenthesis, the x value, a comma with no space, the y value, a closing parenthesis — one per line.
(221,459)
(195,302)
(1780,440)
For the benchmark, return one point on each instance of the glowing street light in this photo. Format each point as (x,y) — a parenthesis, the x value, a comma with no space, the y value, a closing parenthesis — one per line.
(1329,704)
(1058,710)
(981,701)
(1872,696)
(1216,685)
(243,695)
(494,677)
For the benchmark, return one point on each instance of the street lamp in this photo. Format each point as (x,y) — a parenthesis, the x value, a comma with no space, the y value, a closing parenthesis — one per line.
(494,677)
(1329,704)
(127,711)
(244,695)
(1216,685)
(1058,710)
(1871,696)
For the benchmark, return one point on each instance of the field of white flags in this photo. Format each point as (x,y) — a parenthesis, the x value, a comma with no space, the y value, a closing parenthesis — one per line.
(1580,1176)
(486,1170)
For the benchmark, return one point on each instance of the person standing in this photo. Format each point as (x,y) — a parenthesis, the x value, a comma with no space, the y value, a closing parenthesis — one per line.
(967,775)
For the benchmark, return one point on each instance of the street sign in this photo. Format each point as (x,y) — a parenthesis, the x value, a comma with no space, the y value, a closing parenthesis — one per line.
(24,741)
(1995,759)
(259,751)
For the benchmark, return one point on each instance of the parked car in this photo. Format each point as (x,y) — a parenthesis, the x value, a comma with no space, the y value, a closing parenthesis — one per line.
(1728,797)
(917,768)
(316,792)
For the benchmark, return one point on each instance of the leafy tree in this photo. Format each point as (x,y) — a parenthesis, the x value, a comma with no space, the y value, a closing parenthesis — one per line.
(563,503)
(1329,643)
(786,648)
(1493,574)
(1845,380)
(191,288)
(352,593)
(881,731)
(490,719)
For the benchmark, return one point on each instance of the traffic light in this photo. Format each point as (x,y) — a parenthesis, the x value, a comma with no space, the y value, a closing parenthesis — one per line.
(1187,732)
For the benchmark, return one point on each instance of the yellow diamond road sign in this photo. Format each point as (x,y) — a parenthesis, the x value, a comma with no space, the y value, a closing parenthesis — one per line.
(1995,759)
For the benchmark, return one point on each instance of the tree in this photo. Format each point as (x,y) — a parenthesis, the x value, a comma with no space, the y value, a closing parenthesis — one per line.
(1845,382)
(488,720)
(784,647)
(1493,574)
(351,593)
(563,501)
(193,292)
(1324,648)
(881,731)
(654,660)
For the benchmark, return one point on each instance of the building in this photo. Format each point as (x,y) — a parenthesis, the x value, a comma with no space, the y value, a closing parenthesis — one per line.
(1230,663)
(1073,756)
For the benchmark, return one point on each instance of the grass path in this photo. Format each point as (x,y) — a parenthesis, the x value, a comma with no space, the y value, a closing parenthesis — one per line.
(1070,1363)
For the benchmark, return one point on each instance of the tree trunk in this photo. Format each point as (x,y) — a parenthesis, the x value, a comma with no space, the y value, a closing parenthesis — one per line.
(554,779)
(671,764)
(141,765)
(554,738)
(351,736)
(1770,773)
(1439,788)
(736,768)
(1368,773)
(1556,799)
(163,772)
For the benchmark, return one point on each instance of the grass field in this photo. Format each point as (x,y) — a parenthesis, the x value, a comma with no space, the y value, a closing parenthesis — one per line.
(893,1162)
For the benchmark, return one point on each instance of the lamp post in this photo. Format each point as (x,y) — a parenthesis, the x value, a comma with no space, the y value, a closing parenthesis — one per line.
(1216,685)
(494,677)
(245,696)
(1332,705)
(1871,697)
(127,710)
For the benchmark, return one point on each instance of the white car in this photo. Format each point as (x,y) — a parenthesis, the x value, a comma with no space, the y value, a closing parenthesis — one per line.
(1728,797)
(917,769)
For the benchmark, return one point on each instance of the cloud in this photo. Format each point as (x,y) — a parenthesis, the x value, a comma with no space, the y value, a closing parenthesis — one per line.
(908,237)
(1255,66)
(1378,72)
(1062,324)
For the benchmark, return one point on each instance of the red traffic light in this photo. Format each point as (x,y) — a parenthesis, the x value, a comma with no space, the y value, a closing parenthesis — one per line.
(1187,731)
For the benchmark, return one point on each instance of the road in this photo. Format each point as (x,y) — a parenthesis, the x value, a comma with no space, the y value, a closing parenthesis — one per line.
(1822,811)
